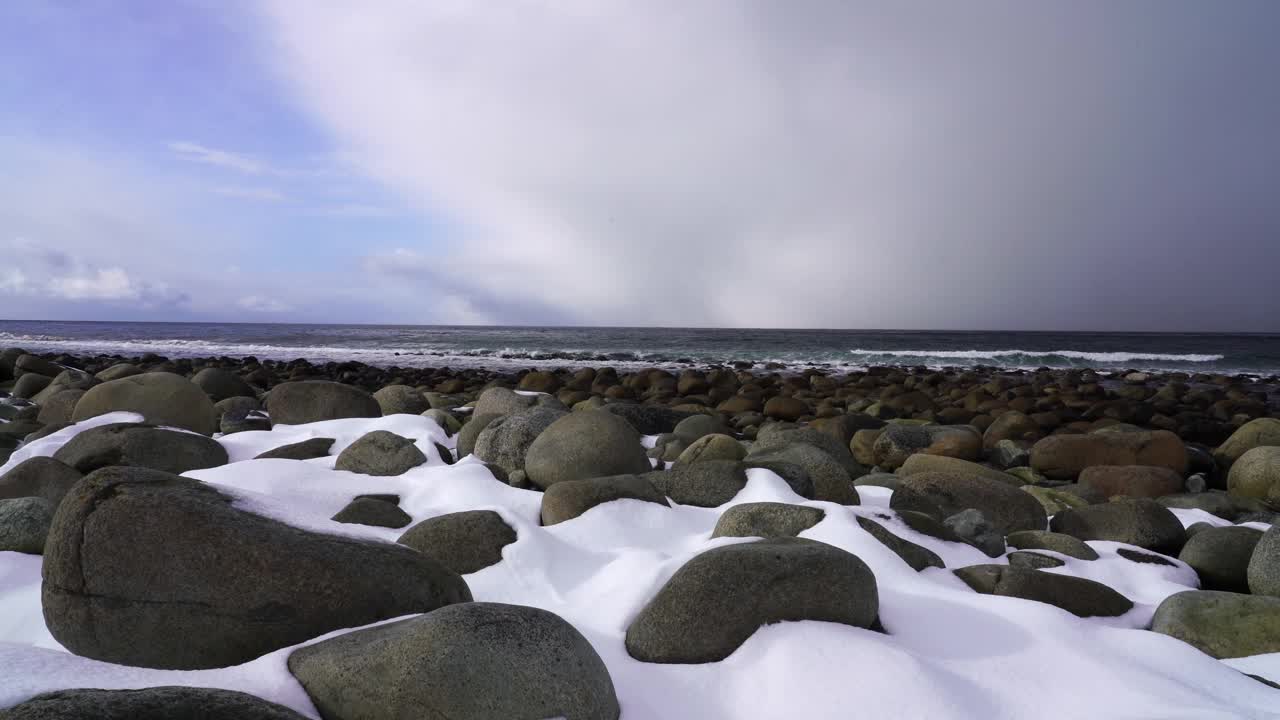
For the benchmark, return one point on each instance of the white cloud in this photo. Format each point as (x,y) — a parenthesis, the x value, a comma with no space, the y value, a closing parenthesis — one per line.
(100,284)
(195,152)
(263,194)
(260,304)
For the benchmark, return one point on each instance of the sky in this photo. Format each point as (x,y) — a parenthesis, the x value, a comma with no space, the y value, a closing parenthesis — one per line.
(988,164)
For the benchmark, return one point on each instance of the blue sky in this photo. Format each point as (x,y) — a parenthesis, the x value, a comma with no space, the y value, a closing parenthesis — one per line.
(875,163)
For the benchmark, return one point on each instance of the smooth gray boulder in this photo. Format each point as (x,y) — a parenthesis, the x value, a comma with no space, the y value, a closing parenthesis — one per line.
(1057,542)
(706,484)
(308,449)
(916,556)
(832,481)
(39,476)
(1221,624)
(1220,556)
(24,524)
(501,401)
(1264,564)
(307,401)
(474,661)
(569,499)
(505,441)
(766,520)
(380,453)
(718,599)
(470,432)
(373,511)
(584,445)
(220,384)
(1078,596)
(942,495)
(156,703)
(401,399)
(465,542)
(128,577)
(1145,523)
(138,445)
(161,398)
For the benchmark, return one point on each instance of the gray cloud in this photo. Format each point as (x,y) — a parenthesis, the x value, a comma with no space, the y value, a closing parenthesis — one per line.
(997,163)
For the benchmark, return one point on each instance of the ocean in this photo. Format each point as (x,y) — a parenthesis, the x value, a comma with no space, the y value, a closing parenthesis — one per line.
(524,347)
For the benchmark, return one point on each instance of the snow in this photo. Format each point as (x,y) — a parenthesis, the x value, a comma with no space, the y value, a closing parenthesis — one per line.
(948,652)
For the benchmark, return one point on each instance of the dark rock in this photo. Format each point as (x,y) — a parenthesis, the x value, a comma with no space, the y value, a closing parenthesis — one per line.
(137,445)
(401,399)
(1033,560)
(505,441)
(35,364)
(647,419)
(1221,624)
(831,481)
(712,447)
(373,511)
(308,449)
(157,703)
(1137,481)
(916,556)
(1078,596)
(1057,542)
(464,542)
(41,477)
(942,495)
(221,384)
(30,385)
(712,604)
(161,398)
(1146,558)
(474,661)
(578,496)
(308,401)
(59,407)
(501,401)
(1144,523)
(974,529)
(766,520)
(585,445)
(706,484)
(24,524)
(380,453)
(128,576)
(782,407)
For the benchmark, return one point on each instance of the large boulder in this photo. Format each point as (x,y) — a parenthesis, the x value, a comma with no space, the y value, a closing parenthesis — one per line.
(380,453)
(1010,425)
(1137,481)
(1220,556)
(373,511)
(475,661)
(470,432)
(138,445)
(1064,457)
(401,399)
(161,398)
(307,401)
(942,495)
(897,442)
(712,447)
(717,600)
(921,463)
(156,703)
(1076,595)
(36,364)
(505,441)
(501,401)
(647,419)
(1057,542)
(568,499)
(465,542)
(1221,624)
(41,477)
(696,426)
(584,445)
(24,524)
(30,385)
(831,480)
(128,576)
(766,520)
(221,384)
(776,436)
(1256,474)
(1261,432)
(1145,523)
(60,406)
(1264,564)
(783,407)
(705,484)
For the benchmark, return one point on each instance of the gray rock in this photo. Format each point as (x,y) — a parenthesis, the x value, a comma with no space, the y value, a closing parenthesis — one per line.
(1028,560)
(921,463)
(41,477)
(766,520)
(308,401)
(36,364)
(501,401)
(157,703)
(1221,624)
(474,661)
(374,512)
(60,406)
(777,435)
(24,524)
(137,445)
(705,484)
(128,577)
(1220,556)
(897,442)
(916,556)
(1144,558)
(585,445)
(238,421)
(974,529)
(1214,502)
(831,481)
(1009,454)
(1256,474)
(380,453)
(1145,523)
(578,496)
(238,403)
(505,441)
(464,542)
(1264,564)
(712,447)
(696,426)
(942,495)
(30,385)
(712,604)
(401,399)
(447,422)
(470,433)
(1057,542)
(161,398)
(879,479)
(118,371)
(792,474)
(221,384)
(1196,483)
(647,419)
(308,449)
(1078,596)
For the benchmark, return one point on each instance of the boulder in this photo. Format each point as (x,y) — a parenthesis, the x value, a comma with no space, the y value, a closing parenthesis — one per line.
(221,384)
(863,445)
(1054,500)
(308,449)
(372,511)
(831,480)
(161,398)
(138,445)
(1010,425)
(1076,595)
(60,406)
(470,433)
(380,453)
(974,529)
(1028,560)
(1264,564)
(36,364)
(1220,556)
(585,445)
(1136,481)
(782,407)
(1057,542)
(24,524)
(156,703)
(696,426)
(1261,432)
(1256,474)
(445,420)
(897,442)
(776,436)
(942,495)
(539,381)
(464,542)
(916,556)
(921,463)
(1221,624)
(30,385)
(501,401)
(766,520)
(568,499)
(647,419)
(706,484)
(505,441)
(1065,456)
(41,477)
(712,447)
(308,401)
(128,577)
(1008,454)
(1144,523)
(474,661)
(718,599)
(401,399)
(117,371)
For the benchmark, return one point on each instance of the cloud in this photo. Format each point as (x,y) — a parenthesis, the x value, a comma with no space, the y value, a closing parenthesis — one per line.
(195,152)
(44,274)
(260,304)
(264,194)
(870,164)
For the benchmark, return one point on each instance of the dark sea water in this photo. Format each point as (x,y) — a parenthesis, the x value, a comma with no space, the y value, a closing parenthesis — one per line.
(520,347)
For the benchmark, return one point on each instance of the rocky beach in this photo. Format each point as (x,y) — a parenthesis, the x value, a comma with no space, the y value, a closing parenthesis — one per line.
(275,539)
